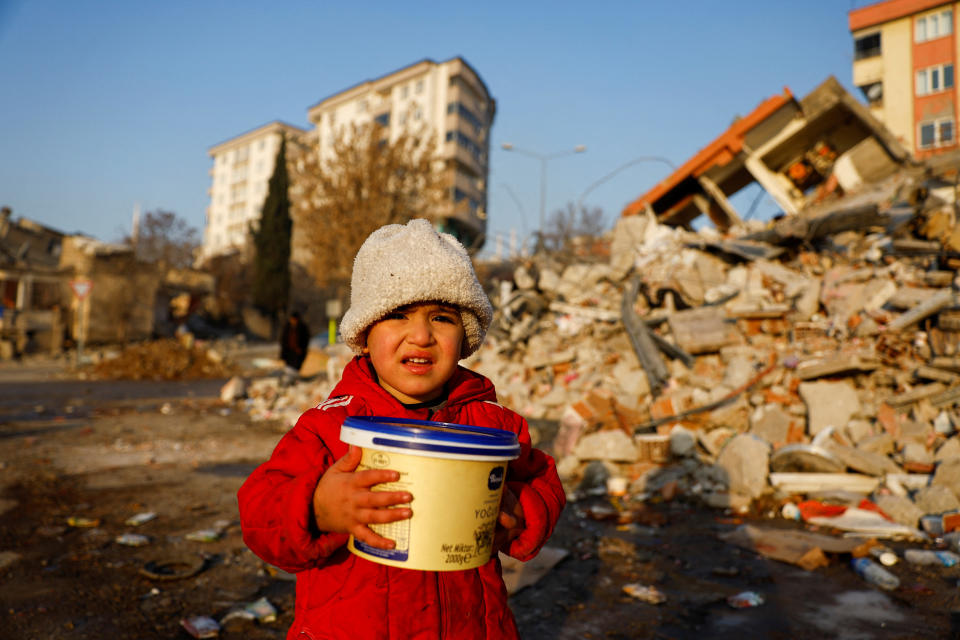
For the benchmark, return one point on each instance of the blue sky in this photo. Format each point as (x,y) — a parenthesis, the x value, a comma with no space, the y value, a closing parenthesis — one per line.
(110,104)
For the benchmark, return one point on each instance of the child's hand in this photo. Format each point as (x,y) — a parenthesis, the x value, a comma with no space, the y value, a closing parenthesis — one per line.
(510,522)
(344,503)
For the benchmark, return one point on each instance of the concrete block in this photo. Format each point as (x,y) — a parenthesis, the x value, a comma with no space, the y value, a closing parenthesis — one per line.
(829,404)
(948,475)
(949,449)
(771,423)
(614,445)
(936,499)
(746,460)
(900,508)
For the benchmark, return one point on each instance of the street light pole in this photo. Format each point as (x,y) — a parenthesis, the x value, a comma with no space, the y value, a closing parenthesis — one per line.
(543,158)
(637,160)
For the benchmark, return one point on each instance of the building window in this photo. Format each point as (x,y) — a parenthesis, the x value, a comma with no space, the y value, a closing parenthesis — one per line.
(404,91)
(867,46)
(419,88)
(936,133)
(934,79)
(873,92)
(933,25)
(464,141)
(461,110)
(361,106)
(418,113)
(383,119)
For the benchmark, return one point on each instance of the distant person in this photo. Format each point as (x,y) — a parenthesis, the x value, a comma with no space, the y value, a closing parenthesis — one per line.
(293,345)
(416,309)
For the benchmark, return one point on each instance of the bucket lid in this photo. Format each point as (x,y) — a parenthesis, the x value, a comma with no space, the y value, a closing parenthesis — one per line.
(427,437)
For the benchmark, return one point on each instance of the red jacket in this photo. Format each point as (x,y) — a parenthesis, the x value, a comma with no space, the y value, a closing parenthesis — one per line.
(340,595)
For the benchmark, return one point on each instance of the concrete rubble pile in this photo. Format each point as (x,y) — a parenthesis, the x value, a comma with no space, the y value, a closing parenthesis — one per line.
(816,355)
(812,356)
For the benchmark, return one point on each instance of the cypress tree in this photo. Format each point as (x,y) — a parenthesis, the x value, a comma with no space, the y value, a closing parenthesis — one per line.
(271,240)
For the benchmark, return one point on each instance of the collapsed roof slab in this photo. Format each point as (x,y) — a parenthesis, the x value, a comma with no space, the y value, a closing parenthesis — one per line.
(785,145)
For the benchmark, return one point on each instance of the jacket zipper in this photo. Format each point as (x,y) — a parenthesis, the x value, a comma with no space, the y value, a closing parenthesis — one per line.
(441,597)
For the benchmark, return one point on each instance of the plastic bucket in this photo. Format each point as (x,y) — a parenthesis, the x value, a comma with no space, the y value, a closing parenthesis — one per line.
(455,474)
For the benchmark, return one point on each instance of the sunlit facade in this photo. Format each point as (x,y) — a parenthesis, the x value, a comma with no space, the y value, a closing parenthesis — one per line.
(453,102)
(905,56)
(241,169)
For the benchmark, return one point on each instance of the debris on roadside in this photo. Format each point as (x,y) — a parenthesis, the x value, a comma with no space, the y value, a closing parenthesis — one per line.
(201,626)
(745,599)
(166,359)
(645,593)
(140,518)
(260,610)
(132,540)
(81,522)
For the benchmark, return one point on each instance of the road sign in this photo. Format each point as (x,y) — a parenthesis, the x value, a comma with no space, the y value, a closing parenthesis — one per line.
(81,287)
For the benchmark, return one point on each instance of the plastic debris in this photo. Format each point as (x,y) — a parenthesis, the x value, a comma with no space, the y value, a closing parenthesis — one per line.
(83,523)
(925,556)
(260,610)
(132,540)
(649,594)
(790,511)
(201,626)
(745,599)
(204,535)
(885,555)
(140,518)
(212,534)
(875,574)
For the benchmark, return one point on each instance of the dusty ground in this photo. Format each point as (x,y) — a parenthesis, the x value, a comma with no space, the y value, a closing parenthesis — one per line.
(108,450)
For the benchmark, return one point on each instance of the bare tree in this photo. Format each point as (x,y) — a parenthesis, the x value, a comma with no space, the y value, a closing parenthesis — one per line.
(570,232)
(368,181)
(164,237)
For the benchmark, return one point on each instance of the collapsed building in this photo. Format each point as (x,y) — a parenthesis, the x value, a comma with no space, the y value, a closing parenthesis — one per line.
(817,354)
(799,151)
(60,289)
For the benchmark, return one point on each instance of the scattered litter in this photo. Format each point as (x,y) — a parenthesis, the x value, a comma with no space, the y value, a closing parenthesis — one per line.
(875,574)
(180,568)
(926,556)
(260,610)
(83,523)
(518,575)
(201,626)
(863,522)
(649,594)
(885,555)
(745,599)
(204,535)
(132,540)
(140,518)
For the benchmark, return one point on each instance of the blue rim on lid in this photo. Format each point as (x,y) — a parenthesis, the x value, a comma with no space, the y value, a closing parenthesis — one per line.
(441,437)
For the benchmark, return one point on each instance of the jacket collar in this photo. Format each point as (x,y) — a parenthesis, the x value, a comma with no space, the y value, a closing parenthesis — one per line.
(359,379)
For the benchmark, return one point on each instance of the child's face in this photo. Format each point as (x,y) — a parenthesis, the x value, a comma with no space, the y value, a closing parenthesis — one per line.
(415,350)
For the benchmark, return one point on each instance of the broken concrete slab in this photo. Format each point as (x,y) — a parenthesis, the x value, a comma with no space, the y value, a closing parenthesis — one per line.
(745,458)
(829,404)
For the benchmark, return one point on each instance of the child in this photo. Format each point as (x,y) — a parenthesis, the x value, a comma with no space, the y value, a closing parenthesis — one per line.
(416,309)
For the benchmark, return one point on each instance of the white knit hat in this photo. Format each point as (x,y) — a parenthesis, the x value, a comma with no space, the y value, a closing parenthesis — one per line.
(404,264)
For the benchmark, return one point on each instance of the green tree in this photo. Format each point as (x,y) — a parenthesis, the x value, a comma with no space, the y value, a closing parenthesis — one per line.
(271,241)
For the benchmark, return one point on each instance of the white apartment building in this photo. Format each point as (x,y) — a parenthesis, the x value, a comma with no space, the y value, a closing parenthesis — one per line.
(241,169)
(451,99)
